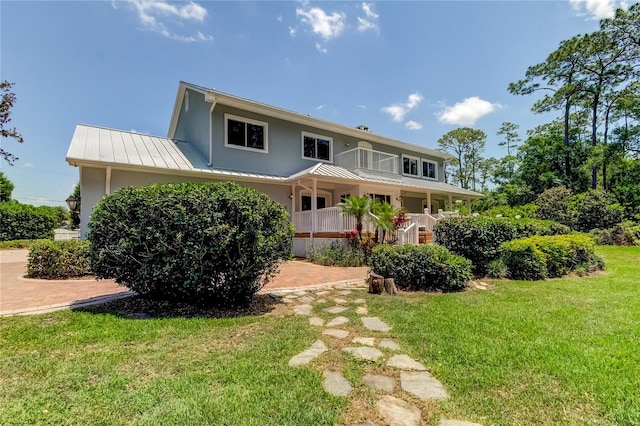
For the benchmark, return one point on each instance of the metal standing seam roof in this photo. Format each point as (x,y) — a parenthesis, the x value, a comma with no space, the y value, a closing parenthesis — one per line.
(98,145)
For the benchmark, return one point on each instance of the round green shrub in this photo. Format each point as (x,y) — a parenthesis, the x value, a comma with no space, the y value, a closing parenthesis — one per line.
(424,267)
(58,259)
(207,244)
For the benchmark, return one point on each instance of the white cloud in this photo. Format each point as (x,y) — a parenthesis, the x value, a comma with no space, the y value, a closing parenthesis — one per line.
(412,125)
(326,26)
(398,111)
(370,20)
(159,15)
(598,9)
(292,31)
(279,18)
(362,106)
(320,48)
(319,107)
(29,165)
(466,113)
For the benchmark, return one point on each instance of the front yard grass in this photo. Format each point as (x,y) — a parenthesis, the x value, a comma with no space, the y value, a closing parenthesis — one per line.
(563,351)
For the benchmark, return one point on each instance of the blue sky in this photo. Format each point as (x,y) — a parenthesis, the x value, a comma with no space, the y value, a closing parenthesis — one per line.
(409,70)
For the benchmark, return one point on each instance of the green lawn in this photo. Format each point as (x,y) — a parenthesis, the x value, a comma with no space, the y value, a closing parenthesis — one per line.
(563,351)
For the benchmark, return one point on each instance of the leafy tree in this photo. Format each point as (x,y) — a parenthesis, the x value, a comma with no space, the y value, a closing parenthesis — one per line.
(8,99)
(510,141)
(6,188)
(466,144)
(359,208)
(543,156)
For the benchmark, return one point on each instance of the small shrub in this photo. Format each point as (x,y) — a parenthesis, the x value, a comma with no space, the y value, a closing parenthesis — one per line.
(207,244)
(524,260)
(424,267)
(26,222)
(624,234)
(58,259)
(497,269)
(539,257)
(337,253)
(479,238)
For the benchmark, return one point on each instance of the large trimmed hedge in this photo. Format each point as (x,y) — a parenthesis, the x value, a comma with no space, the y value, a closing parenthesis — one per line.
(210,244)
(541,257)
(478,238)
(26,222)
(423,267)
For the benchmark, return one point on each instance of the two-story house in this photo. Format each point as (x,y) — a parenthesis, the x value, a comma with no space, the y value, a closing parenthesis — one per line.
(307,164)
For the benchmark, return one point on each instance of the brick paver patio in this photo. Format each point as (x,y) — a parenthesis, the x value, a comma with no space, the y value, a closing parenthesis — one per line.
(20,295)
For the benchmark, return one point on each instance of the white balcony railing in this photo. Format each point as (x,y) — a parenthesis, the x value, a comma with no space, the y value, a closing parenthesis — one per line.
(368,159)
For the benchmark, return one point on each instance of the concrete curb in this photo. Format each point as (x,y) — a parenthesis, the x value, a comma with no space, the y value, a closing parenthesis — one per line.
(67,305)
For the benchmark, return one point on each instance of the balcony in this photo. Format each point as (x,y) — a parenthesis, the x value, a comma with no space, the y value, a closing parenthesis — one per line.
(367,159)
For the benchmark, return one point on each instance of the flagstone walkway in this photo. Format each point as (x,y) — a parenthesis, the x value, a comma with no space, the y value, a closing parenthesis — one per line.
(370,341)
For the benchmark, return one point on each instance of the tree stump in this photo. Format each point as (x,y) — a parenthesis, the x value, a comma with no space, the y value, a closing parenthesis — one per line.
(390,286)
(376,283)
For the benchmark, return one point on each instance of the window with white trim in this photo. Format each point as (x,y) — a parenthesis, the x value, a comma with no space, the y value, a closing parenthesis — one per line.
(429,169)
(245,133)
(316,147)
(410,166)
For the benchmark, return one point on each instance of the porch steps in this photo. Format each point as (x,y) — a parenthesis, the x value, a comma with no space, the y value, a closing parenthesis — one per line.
(425,237)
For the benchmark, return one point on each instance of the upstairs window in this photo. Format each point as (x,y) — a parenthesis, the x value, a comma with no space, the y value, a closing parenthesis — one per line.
(429,169)
(410,166)
(244,133)
(316,147)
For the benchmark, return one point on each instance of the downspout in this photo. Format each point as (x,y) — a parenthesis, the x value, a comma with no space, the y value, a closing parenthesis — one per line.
(312,213)
(211,97)
(107,182)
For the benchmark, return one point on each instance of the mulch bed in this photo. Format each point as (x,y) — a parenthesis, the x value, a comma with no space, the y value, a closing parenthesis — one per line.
(142,308)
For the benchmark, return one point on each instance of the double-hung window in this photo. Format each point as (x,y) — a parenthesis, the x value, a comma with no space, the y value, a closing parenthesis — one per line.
(429,169)
(316,147)
(410,166)
(245,133)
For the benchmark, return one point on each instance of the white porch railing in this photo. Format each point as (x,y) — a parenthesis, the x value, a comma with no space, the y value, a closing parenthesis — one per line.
(332,219)
(363,158)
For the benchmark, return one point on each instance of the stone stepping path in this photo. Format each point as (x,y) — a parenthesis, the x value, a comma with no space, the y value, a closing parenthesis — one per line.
(305,357)
(364,352)
(375,324)
(335,383)
(337,321)
(411,376)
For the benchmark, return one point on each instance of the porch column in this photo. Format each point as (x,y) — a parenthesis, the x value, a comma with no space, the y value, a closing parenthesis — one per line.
(428,202)
(450,202)
(314,206)
(293,199)
(469,205)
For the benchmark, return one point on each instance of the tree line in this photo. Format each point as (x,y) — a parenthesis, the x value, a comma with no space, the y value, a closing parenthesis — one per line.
(593,82)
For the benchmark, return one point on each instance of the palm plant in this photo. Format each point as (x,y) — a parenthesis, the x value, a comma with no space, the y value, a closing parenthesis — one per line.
(359,208)
(382,214)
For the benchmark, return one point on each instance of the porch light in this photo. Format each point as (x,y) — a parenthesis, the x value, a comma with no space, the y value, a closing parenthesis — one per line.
(291,196)
(72,203)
